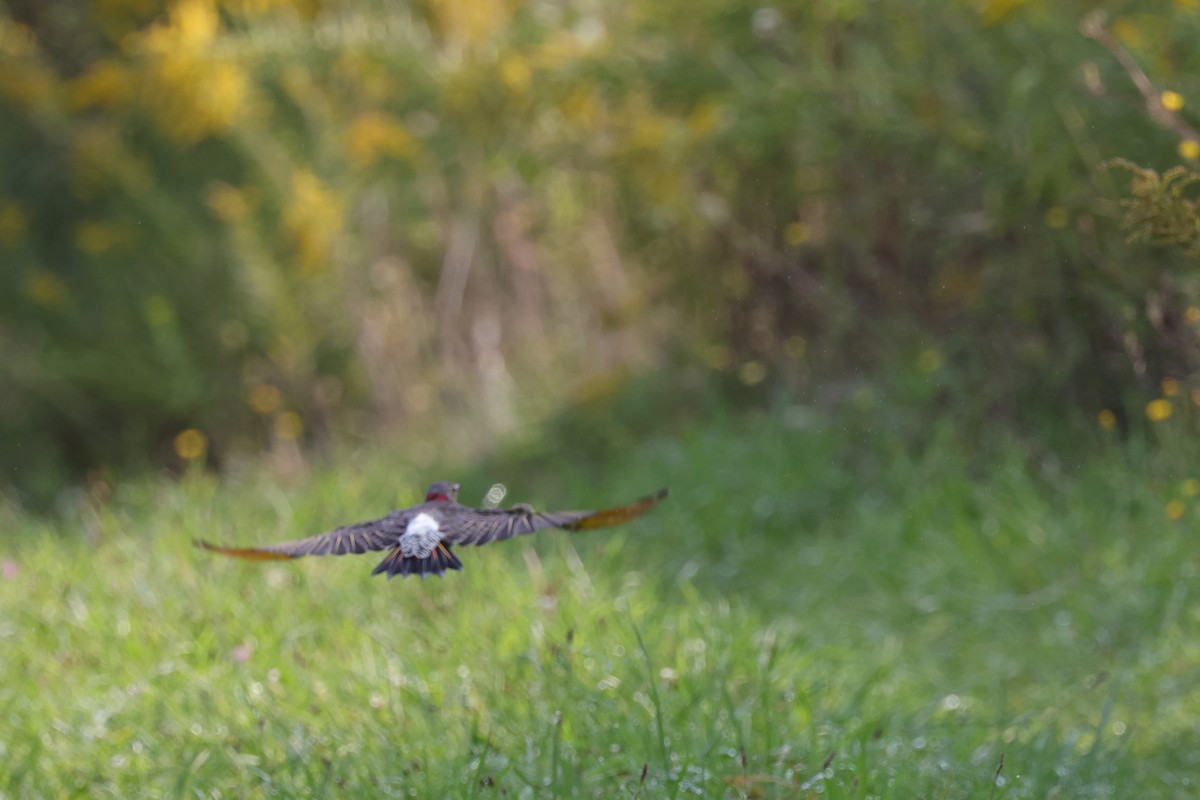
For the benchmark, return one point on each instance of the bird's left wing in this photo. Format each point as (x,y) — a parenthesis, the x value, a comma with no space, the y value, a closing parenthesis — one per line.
(361,537)
(481,526)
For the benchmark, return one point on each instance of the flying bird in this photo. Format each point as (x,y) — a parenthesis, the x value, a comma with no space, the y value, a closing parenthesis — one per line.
(419,538)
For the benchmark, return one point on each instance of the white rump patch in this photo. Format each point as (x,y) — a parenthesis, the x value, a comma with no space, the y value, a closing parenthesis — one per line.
(420,537)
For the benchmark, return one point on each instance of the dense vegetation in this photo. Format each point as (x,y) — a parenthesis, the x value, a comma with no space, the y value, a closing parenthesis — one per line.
(233,224)
(855,605)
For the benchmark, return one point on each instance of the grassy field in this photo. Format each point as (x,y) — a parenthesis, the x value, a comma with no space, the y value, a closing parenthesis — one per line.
(825,607)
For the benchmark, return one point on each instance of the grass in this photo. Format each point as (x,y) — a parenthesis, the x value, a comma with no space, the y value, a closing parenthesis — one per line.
(825,607)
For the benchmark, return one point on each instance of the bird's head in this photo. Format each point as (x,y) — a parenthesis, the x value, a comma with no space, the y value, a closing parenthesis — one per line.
(442,492)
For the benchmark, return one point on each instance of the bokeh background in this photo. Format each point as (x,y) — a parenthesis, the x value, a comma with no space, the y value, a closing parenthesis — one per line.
(291,226)
(899,297)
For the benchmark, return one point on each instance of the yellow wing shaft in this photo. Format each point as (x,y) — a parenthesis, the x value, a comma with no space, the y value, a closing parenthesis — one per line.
(615,516)
(249,553)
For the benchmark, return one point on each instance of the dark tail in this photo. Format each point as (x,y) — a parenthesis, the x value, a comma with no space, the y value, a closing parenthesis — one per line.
(440,560)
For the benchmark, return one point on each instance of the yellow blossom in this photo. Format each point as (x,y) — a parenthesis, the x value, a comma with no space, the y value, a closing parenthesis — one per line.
(190,444)
(796,346)
(797,233)
(516,73)
(1191,487)
(313,218)
(752,373)
(1189,149)
(1057,217)
(106,83)
(583,107)
(265,398)
(1124,29)
(930,360)
(46,289)
(1172,101)
(1192,314)
(1174,510)
(1107,419)
(704,118)
(227,202)
(648,130)
(288,426)
(374,135)
(95,238)
(12,223)
(1159,410)
(470,21)
(191,26)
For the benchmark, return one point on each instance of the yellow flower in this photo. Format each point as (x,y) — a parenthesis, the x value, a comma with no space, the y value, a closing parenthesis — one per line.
(1189,149)
(1124,29)
(797,233)
(1174,510)
(313,217)
(95,238)
(704,118)
(190,92)
(1170,387)
(1057,217)
(470,21)
(1107,419)
(107,83)
(1192,314)
(516,73)
(265,398)
(752,373)
(1172,101)
(929,360)
(1159,410)
(191,26)
(227,202)
(46,289)
(1191,487)
(190,444)
(289,426)
(374,135)
(12,223)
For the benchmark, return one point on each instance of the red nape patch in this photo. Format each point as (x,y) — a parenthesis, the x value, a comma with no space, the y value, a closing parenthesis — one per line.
(434,497)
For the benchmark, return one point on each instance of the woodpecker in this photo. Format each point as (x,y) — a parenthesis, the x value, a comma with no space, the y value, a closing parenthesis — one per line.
(419,539)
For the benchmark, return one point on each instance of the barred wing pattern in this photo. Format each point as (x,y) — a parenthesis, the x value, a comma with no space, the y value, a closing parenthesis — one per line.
(361,537)
(482,526)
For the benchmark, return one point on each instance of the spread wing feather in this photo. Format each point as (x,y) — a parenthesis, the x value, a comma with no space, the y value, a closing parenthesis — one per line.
(481,526)
(361,537)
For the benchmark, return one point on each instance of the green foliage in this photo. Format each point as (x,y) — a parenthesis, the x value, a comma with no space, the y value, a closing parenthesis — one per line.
(822,604)
(262,223)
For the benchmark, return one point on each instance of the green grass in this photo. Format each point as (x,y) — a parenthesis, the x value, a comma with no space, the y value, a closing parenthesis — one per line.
(823,608)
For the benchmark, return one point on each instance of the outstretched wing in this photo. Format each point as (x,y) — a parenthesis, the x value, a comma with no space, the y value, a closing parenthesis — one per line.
(481,526)
(362,537)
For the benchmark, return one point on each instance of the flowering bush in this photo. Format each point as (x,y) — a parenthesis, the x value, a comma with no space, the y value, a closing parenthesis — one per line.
(234,223)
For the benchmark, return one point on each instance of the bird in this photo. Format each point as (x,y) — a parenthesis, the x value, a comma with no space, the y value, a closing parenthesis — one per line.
(419,539)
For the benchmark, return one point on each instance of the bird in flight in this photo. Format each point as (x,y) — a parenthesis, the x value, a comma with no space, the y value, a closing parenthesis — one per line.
(419,538)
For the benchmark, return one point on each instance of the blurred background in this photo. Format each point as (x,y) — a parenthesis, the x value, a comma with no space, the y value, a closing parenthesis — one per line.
(231,228)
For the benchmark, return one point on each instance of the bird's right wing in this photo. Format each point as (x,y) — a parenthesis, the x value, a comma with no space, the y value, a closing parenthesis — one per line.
(362,537)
